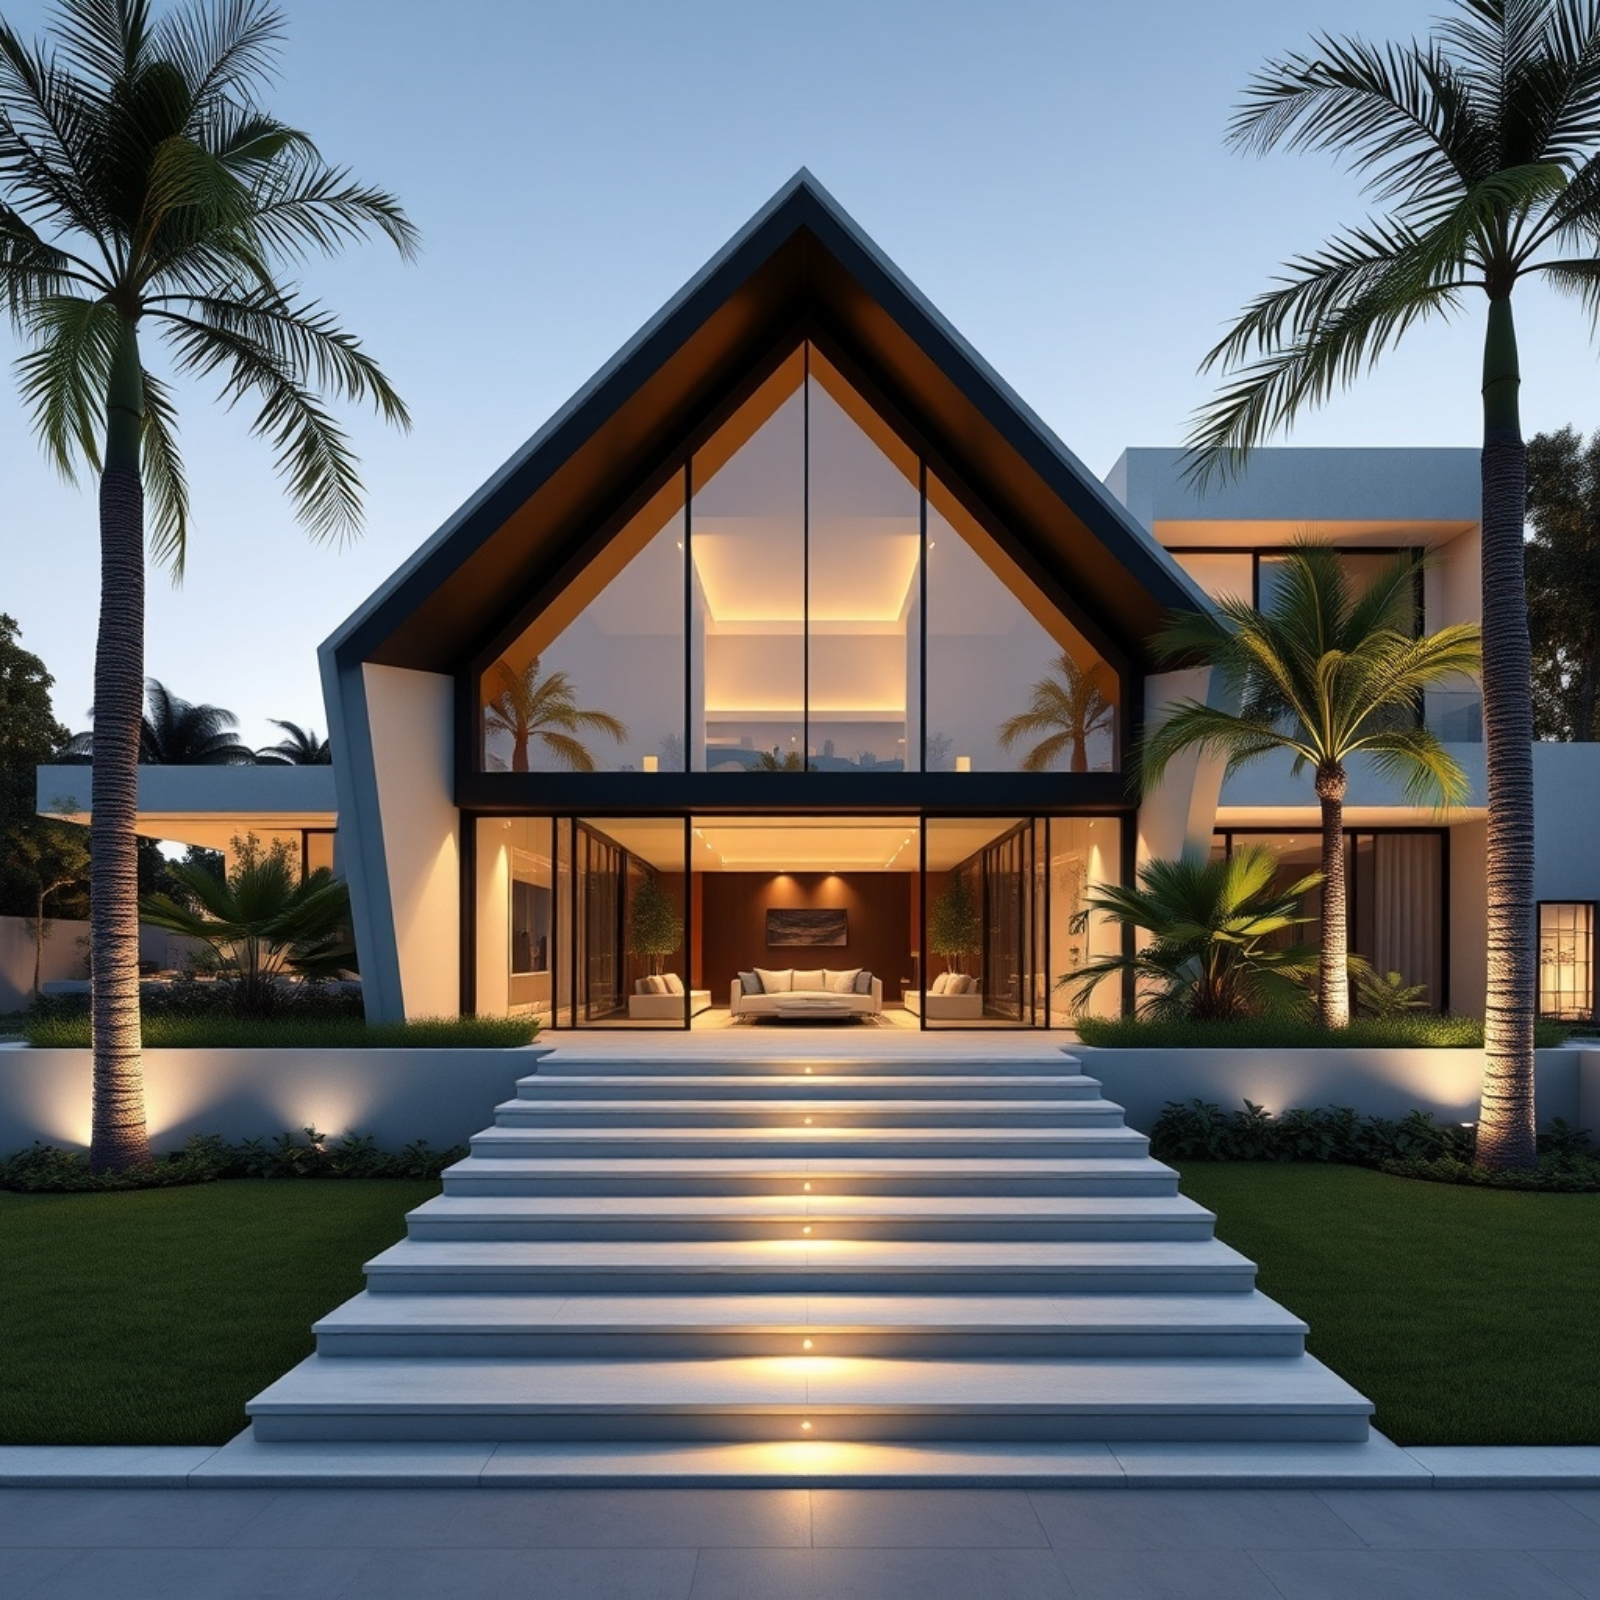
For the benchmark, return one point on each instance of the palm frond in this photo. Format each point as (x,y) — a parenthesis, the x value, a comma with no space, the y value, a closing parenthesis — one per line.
(1418,760)
(64,378)
(166,485)
(1195,726)
(104,39)
(225,49)
(570,752)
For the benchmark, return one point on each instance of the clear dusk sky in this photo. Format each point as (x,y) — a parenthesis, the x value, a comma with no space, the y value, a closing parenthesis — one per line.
(1052,175)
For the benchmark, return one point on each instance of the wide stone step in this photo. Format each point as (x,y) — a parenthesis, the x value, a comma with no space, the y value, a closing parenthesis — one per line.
(509,1175)
(910,1060)
(816,1398)
(927,1327)
(824,1083)
(809,1215)
(828,1266)
(817,1143)
(805,1113)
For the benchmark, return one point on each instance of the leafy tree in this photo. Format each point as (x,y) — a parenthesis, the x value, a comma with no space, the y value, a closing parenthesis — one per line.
(29,736)
(955,924)
(1483,144)
(56,857)
(1326,674)
(1213,954)
(299,747)
(263,919)
(1069,709)
(144,189)
(529,707)
(1563,567)
(655,927)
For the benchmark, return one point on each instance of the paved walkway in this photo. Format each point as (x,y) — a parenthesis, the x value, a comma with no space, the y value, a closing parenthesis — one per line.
(799,1544)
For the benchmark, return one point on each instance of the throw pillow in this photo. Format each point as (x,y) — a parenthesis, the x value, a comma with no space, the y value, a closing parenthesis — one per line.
(809,980)
(863,982)
(658,985)
(941,984)
(673,982)
(969,984)
(841,982)
(774,982)
(749,983)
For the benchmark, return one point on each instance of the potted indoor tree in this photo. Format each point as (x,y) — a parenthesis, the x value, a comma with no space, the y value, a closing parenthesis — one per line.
(655,928)
(955,927)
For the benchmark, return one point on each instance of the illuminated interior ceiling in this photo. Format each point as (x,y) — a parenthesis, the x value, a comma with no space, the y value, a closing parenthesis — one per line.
(803,844)
(870,593)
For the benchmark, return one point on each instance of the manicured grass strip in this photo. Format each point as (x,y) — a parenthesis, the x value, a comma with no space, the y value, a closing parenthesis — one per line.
(1468,1316)
(1267,1033)
(298,1033)
(151,1317)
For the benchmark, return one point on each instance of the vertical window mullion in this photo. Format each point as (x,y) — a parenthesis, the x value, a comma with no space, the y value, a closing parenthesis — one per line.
(922,618)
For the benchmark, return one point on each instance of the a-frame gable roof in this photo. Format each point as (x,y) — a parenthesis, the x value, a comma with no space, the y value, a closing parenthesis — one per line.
(801,265)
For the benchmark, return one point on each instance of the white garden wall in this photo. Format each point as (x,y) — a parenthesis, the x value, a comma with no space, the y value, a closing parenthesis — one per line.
(443,1096)
(1380,1083)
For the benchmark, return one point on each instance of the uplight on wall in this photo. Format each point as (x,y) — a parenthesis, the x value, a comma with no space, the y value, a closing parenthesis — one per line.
(652,763)
(963,763)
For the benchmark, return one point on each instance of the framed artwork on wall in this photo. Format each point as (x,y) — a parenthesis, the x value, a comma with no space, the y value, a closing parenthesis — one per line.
(807,928)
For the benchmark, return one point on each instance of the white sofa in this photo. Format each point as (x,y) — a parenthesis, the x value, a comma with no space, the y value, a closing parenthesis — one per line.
(646,1007)
(945,1007)
(815,983)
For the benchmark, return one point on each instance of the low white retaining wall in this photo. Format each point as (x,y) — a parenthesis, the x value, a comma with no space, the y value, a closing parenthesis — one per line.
(443,1096)
(1378,1083)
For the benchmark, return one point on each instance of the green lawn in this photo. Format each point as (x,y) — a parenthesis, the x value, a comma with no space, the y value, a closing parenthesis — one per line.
(1468,1316)
(152,1316)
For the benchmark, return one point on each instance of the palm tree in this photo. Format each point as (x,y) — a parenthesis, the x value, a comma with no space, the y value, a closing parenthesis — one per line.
(1212,957)
(1326,674)
(175,733)
(529,707)
(1069,710)
(1484,143)
(143,188)
(300,747)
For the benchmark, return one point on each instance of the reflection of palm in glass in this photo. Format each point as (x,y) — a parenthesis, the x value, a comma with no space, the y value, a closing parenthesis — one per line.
(529,707)
(1069,710)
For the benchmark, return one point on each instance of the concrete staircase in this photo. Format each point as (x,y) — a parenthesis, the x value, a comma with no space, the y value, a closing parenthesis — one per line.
(696,1253)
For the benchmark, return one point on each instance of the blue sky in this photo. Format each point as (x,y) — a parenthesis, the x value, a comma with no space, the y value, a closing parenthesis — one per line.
(1052,175)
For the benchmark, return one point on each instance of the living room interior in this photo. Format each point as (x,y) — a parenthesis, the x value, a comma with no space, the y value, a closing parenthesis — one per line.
(762,920)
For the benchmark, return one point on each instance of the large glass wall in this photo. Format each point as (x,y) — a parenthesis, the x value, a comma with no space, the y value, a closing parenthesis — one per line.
(748,584)
(796,615)
(596,683)
(1011,684)
(1084,852)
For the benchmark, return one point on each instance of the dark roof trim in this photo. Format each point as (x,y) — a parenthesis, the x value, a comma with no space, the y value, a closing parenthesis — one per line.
(801,207)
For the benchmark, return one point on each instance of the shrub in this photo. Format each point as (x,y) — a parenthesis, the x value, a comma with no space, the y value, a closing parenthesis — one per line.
(1414,1146)
(1413,1030)
(45,1169)
(296,1030)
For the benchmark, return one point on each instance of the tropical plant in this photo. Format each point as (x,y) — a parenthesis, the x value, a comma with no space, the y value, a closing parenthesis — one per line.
(1385,995)
(1325,673)
(1563,572)
(1069,709)
(1484,142)
(655,927)
(774,760)
(1215,953)
(29,736)
(528,707)
(143,188)
(955,924)
(265,921)
(299,747)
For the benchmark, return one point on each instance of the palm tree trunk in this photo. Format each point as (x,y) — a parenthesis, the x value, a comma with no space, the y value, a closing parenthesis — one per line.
(1334,998)
(118,1135)
(1506,1126)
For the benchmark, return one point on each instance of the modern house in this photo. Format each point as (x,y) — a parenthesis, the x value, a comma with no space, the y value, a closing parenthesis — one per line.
(749,618)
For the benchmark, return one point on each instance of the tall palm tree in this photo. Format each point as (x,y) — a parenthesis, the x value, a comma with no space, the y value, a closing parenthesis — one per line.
(1326,674)
(143,189)
(1483,142)
(1069,709)
(299,747)
(529,707)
